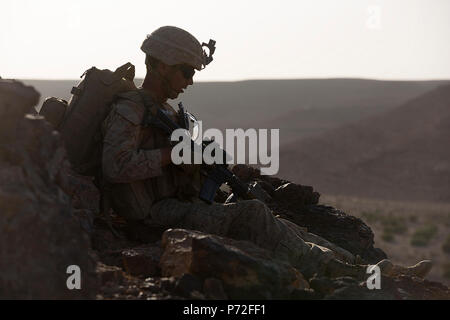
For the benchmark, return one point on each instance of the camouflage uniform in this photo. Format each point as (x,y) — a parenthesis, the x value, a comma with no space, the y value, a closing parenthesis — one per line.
(140,188)
(132,160)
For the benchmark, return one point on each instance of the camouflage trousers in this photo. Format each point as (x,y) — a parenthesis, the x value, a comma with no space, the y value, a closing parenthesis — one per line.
(253,221)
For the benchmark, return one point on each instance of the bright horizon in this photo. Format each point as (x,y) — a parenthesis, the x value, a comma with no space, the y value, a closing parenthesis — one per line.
(377,39)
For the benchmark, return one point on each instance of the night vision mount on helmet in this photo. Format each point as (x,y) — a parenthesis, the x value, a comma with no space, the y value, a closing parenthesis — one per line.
(173,46)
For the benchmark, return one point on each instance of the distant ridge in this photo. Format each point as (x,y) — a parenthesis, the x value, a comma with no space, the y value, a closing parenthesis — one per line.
(402,154)
(299,108)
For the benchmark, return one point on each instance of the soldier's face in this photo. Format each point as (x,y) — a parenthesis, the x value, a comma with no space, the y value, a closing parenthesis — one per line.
(179,77)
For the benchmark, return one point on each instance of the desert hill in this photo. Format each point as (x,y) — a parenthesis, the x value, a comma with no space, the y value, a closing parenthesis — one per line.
(299,108)
(401,154)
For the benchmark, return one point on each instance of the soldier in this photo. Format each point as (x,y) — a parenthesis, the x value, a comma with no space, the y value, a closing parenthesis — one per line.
(144,185)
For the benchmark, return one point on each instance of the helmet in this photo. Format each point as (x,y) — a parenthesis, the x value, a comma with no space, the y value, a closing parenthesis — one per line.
(173,45)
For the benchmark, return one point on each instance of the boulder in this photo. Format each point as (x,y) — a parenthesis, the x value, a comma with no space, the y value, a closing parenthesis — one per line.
(414,288)
(345,231)
(16,100)
(213,289)
(189,285)
(260,193)
(246,173)
(85,195)
(39,236)
(142,261)
(109,274)
(246,271)
(295,195)
(391,288)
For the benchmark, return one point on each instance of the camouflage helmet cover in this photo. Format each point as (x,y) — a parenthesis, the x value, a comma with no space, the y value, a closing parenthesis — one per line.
(173,45)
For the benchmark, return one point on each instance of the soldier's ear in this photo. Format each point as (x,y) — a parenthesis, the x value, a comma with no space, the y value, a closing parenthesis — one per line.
(163,68)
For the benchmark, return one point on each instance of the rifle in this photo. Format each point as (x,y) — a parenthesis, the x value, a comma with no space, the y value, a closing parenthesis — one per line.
(218,174)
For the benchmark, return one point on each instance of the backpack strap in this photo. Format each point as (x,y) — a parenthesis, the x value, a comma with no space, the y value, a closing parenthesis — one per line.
(126,71)
(151,108)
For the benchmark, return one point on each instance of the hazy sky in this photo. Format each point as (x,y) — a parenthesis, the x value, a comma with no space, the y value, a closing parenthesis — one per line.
(392,39)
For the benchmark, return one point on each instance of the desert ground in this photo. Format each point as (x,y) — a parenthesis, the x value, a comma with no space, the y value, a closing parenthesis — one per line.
(407,231)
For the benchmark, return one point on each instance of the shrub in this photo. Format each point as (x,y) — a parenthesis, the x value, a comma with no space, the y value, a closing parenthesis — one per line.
(423,235)
(387,236)
(394,225)
(371,216)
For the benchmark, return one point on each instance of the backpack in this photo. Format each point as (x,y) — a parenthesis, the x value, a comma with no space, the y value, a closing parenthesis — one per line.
(79,120)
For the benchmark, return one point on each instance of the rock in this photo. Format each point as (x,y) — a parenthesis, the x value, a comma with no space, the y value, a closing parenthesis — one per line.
(414,288)
(260,193)
(399,288)
(246,173)
(296,196)
(49,220)
(86,219)
(213,289)
(142,261)
(188,285)
(39,237)
(245,270)
(82,190)
(143,233)
(109,274)
(103,240)
(16,100)
(322,285)
(150,285)
(221,196)
(108,246)
(326,287)
(304,294)
(268,187)
(177,252)
(273,181)
(345,231)
(168,284)
(347,288)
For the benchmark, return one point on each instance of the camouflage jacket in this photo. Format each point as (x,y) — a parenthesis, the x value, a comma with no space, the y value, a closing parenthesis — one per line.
(131,160)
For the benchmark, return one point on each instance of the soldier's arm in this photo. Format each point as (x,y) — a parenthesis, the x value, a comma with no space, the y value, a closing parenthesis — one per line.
(122,159)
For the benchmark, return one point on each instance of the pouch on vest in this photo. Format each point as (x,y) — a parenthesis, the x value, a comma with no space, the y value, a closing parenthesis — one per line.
(53,110)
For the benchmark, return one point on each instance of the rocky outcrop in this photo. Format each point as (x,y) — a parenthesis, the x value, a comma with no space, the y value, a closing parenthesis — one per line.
(346,231)
(39,237)
(245,270)
(50,219)
(142,261)
(398,288)
(299,204)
